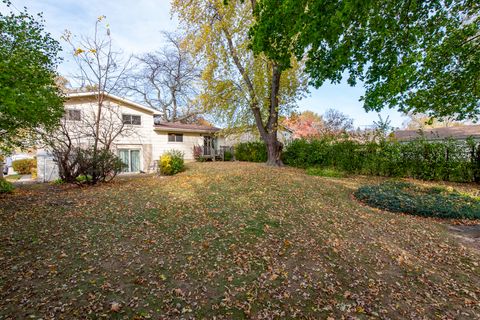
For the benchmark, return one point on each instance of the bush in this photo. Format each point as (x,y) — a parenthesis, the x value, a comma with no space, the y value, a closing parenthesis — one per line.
(441,160)
(24,166)
(198,154)
(251,151)
(5,186)
(83,179)
(58,181)
(171,162)
(325,172)
(76,162)
(227,156)
(34,173)
(408,198)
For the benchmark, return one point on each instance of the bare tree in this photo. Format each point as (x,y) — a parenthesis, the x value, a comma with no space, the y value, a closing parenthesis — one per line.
(89,133)
(101,69)
(166,81)
(336,122)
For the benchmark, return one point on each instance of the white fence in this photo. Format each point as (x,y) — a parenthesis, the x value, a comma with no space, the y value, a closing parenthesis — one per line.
(47,168)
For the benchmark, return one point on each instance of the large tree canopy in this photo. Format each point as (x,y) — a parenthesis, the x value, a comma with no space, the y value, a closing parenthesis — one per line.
(420,56)
(241,88)
(29,98)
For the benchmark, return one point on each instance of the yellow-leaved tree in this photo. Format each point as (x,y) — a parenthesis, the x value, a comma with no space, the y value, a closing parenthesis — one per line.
(239,87)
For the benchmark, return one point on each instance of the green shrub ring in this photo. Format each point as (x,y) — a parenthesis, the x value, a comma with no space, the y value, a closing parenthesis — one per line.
(408,198)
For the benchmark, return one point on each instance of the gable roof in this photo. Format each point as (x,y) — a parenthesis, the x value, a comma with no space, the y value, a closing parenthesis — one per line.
(182,127)
(459,133)
(112,97)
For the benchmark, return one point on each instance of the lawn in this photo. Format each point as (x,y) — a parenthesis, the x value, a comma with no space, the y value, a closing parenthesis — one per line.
(231,240)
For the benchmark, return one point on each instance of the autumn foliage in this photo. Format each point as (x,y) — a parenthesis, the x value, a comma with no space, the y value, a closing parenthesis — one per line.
(305,125)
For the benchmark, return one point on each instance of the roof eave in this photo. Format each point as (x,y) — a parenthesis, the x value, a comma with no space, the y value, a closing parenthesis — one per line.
(185,130)
(113,97)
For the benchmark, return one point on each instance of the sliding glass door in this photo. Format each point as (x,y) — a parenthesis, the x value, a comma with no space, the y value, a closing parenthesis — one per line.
(131,158)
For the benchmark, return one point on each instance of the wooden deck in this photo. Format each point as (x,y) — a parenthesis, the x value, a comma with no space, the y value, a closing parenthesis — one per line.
(218,154)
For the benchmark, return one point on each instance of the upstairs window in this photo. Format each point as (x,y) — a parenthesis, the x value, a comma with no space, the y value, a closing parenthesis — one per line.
(132,119)
(72,115)
(175,137)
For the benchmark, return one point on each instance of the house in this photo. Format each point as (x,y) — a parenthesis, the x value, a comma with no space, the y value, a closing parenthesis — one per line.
(129,129)
(240,135)
(184,137)
(459,133)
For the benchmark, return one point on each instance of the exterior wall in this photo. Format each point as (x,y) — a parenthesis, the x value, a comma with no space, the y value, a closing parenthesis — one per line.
(134,136)
(162,145)
(112,118)
(234,139)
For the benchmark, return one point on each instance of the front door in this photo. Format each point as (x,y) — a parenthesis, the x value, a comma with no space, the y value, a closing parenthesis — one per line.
(131,159)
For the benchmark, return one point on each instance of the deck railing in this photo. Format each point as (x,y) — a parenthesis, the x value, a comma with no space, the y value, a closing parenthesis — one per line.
(216,152)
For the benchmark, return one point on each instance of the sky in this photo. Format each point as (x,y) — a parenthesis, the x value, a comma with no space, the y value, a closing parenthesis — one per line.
(136,27)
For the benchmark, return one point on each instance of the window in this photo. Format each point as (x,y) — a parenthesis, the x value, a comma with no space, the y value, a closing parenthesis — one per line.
(73,115)
(175,137)
(131,119)
(131,159)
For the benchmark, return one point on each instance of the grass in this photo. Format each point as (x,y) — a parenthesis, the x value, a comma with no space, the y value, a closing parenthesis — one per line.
(13,177)
(325,172)
(226,240)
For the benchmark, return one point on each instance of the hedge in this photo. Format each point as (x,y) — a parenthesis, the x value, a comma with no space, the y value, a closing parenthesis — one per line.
(251,151)
(420,159)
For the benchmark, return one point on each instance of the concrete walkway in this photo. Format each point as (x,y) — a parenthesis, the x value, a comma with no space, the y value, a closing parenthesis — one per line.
(25,179)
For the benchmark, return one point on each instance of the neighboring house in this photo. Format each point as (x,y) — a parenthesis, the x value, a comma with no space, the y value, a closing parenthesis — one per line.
(459,133)
(235,136)
(130,130)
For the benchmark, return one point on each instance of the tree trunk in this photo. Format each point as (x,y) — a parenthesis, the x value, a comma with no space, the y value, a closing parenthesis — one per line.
(274,151)
(97,136)
(274,147)
(267,131)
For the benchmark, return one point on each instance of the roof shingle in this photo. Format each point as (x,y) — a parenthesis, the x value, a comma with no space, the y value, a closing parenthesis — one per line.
(460,132)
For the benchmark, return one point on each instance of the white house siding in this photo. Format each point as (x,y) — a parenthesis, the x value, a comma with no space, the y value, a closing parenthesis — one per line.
(162,145)
(190,139)
(139,134)
(135,137)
